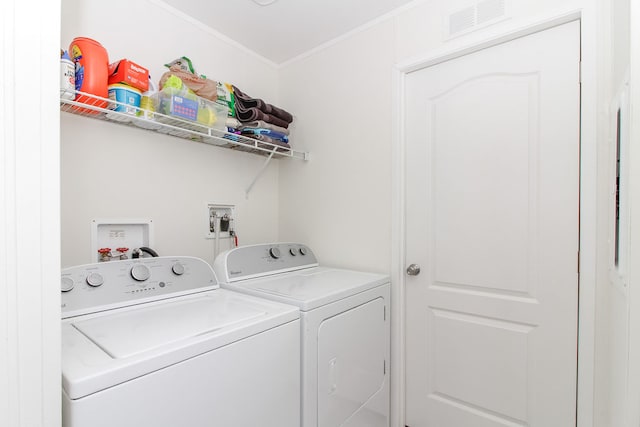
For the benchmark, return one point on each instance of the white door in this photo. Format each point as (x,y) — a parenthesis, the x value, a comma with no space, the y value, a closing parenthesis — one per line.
(492,194)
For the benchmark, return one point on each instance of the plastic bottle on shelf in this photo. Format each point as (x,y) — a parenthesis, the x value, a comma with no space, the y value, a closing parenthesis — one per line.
(146,103)
(147,108)
(67,76)
(91,71)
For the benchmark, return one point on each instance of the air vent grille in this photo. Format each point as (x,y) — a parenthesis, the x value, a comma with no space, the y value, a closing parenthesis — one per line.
(481,14)
(462,20)
(490,10)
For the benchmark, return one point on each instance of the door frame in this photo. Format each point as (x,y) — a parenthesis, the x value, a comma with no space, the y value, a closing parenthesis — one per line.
(588,192)
(633,391)
(30,214)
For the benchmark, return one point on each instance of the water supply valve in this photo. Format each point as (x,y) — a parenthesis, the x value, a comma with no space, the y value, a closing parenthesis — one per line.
(122,253)
(105,254)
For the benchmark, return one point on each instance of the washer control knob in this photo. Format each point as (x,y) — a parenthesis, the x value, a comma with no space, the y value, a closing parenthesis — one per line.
(140,272)
(293,252)
(95,279)
(274,252)
(67,284)
(178,269)
(303,251)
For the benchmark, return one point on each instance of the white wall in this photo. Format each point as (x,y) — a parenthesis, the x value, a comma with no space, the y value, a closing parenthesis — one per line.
(621,40)
(29,214)
(115,172)
(339,202)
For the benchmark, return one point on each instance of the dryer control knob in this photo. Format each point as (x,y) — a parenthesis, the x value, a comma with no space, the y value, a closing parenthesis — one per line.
(67,284)
(178,269)
(293,252)
(303,251)
(140,272)
(275,253)
(95,279)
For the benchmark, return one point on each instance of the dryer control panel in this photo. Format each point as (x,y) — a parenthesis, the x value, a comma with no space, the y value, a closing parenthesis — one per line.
(102,286)
(252,261)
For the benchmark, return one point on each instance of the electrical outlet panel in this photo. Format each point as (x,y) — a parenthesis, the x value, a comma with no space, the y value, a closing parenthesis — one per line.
(220,221)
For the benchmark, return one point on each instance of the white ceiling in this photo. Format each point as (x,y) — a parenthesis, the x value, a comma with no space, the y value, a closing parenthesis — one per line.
(284,29)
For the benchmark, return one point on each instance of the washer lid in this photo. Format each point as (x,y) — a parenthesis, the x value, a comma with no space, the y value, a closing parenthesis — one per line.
(312,287)
(126,334)
(104,349)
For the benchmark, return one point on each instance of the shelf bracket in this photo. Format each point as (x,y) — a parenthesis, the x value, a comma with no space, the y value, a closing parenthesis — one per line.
(260,172)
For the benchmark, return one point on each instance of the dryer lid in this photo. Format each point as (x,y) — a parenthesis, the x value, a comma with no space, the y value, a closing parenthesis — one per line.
(128,333)
(312,287)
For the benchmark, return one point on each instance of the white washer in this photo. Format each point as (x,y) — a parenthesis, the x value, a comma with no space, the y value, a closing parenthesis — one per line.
(155,342)
(345,329)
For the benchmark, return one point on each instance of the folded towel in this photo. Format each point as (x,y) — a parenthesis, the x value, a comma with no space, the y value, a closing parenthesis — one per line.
(253,114)
(266,132)
(264,125)
(232,122)
(248,102)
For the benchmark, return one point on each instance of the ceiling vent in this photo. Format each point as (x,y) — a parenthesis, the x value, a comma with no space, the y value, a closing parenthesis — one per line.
(480,15)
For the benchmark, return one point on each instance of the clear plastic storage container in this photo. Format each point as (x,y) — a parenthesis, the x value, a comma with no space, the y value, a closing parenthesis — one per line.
(185,105)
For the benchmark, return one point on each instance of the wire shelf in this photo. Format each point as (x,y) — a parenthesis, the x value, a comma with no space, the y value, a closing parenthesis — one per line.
(95,107)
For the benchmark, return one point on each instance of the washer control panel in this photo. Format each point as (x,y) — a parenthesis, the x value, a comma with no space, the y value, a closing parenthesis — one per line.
(101,286)
(252,261)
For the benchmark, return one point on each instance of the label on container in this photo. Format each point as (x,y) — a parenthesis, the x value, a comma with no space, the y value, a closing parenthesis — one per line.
(76,55)
(185,108)
(67,79)
(123,94)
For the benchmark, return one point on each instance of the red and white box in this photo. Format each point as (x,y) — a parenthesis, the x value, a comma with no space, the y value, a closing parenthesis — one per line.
(130,73)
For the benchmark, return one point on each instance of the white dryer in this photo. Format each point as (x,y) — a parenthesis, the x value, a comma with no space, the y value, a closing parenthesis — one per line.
(155,342)
(344,330)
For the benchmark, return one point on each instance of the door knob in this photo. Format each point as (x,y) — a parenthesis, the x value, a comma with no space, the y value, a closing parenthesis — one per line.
(413,270)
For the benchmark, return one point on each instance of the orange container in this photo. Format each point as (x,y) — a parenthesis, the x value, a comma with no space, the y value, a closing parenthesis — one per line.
(92,70)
